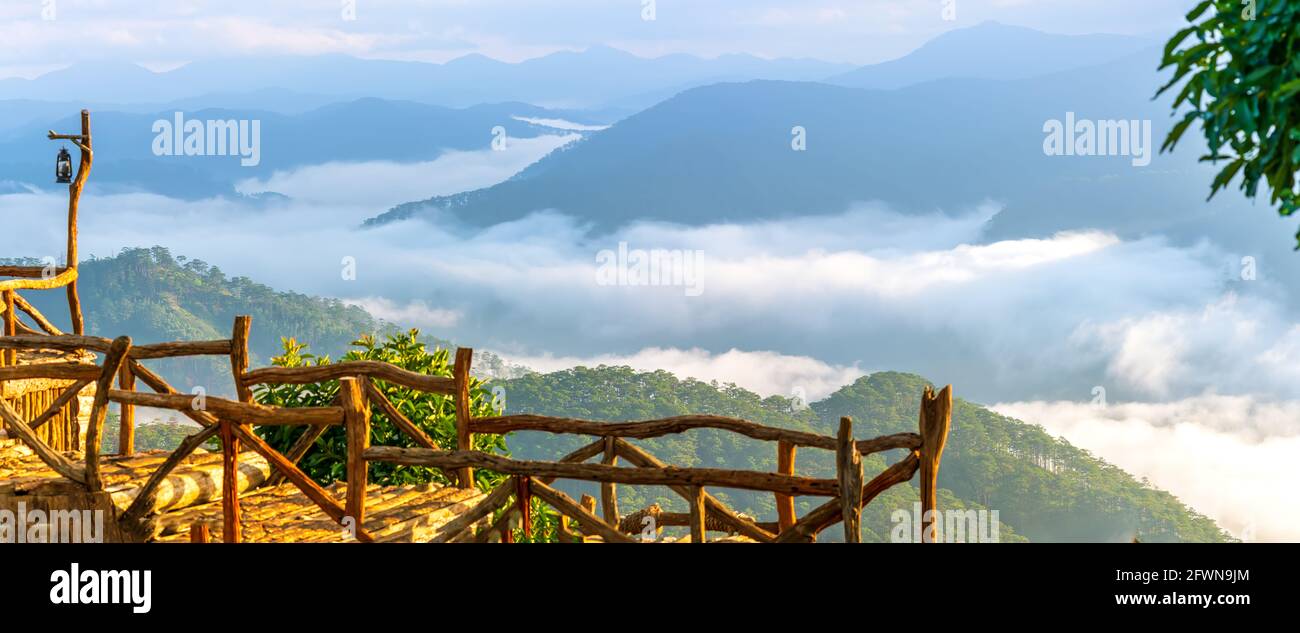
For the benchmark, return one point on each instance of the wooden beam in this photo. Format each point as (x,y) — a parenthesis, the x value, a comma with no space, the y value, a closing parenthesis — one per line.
(60,402)
(491,503)
(53,371)
(935,422)
(57,462)
(113,360)
(238,412)
(464,439)
(848,463)
(590,523)
(36,315)
(805,530)
(400,421)
(356,413)
(370,368)
(668,476)
(199,532)
(741,525)
(232,528)
(144,500)
(299,449)
(77,343)
(309,488)
(699,533)
(785,455)
(74,199)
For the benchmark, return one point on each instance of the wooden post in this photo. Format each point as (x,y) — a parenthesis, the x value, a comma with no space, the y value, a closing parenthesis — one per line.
(588,503)
(356,417)
(113,360)
(74,199)
(849,466)
(785,453)
(11,328)
(239,356)
(231,530)
(524,497)
(464,439)
(696,500)
(609,490)
(935,422)
(126,413)
(199,532)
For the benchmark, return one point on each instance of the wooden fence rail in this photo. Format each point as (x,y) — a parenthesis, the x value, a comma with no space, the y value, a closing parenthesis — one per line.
(234,420)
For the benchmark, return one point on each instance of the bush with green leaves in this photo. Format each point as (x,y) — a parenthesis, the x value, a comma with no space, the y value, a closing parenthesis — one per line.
(435,414)
(1239,69)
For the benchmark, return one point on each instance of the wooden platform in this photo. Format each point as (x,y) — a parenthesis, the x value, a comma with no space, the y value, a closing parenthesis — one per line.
(193,493)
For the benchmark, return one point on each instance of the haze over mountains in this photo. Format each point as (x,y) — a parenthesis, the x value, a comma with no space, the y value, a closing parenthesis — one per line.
(560,80)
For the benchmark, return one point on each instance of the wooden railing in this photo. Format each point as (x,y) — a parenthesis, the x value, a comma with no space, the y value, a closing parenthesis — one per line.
(233,421)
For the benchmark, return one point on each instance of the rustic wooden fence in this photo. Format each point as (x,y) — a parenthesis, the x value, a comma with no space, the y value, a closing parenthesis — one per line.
(233,421)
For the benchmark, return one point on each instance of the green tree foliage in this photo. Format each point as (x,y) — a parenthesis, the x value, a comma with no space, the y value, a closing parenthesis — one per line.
(435,414)
(1239,69)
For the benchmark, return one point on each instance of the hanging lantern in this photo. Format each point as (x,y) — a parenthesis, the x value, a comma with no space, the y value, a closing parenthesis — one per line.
(63,167)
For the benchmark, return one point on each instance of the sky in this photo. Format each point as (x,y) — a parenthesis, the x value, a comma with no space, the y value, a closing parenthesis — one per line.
(162,34)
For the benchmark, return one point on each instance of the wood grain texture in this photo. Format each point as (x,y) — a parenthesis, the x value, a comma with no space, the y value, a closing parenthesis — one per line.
(356,413)
(785,456)
(369,368)
(113,360)
(231,523)
(666,476)
(590,523)
(464,438)
(848,464)
(935,422)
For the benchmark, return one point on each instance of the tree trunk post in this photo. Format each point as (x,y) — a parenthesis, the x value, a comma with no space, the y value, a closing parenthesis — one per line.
(785,455)
(849,466)
(464,439)
(935,422)
(356,414)
(231,529)
(126,413)
(698,531)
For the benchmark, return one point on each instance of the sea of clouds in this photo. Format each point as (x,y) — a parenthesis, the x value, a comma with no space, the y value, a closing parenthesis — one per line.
(1199,366)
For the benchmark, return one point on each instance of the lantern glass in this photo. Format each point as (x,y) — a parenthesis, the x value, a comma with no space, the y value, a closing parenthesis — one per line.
(63,167)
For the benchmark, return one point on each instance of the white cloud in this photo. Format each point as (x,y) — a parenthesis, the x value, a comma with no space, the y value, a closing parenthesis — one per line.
(381,184)
(413,314)
(765,373)
(561,124)
(1229,457)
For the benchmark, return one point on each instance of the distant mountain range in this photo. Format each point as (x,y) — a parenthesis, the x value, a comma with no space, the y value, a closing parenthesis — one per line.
(993,51)
(362,130)
(726,152)
(595,78)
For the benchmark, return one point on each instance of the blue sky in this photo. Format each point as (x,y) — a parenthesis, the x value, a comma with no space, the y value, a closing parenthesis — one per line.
(166,33)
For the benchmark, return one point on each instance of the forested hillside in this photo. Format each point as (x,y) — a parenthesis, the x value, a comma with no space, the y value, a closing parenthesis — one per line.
(153,296)
(1043,488)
